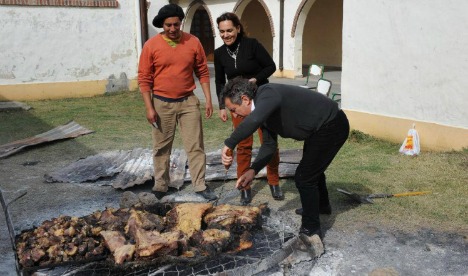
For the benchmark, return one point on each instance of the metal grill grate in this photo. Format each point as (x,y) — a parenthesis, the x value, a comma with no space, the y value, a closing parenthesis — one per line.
(271,245)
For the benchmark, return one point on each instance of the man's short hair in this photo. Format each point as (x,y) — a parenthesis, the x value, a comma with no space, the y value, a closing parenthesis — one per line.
(237,87)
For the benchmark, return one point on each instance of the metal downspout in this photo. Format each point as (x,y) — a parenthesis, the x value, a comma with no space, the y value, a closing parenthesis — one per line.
(281,35)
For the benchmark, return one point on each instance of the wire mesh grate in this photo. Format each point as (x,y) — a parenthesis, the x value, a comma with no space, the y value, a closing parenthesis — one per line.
(267,243)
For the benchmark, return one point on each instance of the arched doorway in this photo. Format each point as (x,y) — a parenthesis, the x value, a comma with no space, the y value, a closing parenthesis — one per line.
(256,23)
(322,34)
(201,28)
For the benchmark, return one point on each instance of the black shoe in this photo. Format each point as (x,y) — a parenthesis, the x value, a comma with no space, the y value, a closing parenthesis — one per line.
(322,210)
(310,232)
(208,194)
(246,196)
(170,190)
(276,192)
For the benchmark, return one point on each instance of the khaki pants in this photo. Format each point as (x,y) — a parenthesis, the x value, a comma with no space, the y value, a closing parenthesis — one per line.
(187,115)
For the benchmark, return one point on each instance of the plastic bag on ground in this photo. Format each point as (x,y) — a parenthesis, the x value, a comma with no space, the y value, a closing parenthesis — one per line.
(410,145)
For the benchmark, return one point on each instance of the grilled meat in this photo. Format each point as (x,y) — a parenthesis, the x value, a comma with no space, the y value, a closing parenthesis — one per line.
(211,241)
(187,217)
(117,244)
(151,243)
(232,218)
(133,234)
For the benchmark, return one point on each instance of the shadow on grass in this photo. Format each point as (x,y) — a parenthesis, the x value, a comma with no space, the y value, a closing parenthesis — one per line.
(340,203)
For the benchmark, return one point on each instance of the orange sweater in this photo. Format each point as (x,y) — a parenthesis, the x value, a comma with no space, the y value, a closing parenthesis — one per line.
(168,71)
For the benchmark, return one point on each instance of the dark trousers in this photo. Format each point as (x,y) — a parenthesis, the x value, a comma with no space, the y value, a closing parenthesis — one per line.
(318,152)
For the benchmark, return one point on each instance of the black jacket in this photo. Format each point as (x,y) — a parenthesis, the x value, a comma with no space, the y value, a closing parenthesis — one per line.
(253,61)
(286,110)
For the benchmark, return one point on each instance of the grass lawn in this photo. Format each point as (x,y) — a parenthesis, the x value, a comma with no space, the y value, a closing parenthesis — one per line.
(364,165)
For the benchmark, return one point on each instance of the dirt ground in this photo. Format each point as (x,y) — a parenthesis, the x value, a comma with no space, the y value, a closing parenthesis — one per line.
(350,249)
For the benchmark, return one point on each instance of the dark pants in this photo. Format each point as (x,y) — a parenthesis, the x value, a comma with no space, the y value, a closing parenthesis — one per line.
(318,152)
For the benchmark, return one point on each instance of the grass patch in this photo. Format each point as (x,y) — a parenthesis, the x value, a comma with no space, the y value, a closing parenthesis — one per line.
(364,165)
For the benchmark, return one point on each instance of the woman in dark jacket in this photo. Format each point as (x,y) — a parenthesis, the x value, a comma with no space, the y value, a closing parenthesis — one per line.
(244,57)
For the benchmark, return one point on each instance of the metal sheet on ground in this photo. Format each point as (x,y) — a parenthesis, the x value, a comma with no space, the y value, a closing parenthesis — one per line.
(125,169)
(178,167)
(69,130)
(136,169)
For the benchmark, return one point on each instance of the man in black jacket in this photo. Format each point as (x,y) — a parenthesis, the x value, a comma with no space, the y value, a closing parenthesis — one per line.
(291,112)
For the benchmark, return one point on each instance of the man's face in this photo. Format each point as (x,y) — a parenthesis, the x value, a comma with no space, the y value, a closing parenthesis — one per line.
(242,110)
(171,27)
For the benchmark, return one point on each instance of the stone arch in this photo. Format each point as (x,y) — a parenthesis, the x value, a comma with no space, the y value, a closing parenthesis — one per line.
(196,15)
(241,4)
(191,9)
(300,15)
(307,48)
(297,32)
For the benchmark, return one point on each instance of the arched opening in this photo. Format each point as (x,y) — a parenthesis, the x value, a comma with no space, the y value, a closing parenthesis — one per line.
(201,28)
(257,24)
(322,34)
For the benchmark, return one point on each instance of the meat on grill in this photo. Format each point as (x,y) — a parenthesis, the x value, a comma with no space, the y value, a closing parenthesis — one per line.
(153,243)
(187,217)
(117,244)
(233,218)
(211,241)
(245,241)
(143,220)
(131,234)
(58,240)
(110,219)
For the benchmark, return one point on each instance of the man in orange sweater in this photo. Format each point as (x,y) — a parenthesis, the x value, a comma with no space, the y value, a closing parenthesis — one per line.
(165,77)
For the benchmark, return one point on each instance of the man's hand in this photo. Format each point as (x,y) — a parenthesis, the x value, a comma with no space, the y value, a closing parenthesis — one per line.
(253,80)
(223,115)
(151,115)
(245,180)
(225,158)
(208,105)
(208,110)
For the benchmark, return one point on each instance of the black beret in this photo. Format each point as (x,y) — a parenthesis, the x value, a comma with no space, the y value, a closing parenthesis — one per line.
(170,10)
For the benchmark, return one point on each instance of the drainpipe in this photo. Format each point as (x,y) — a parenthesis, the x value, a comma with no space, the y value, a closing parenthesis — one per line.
(281,35)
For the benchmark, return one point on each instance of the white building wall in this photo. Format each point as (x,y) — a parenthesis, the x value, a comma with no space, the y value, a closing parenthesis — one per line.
(65,44)
(155,6)
(292,59)
(218,7)
(406,59)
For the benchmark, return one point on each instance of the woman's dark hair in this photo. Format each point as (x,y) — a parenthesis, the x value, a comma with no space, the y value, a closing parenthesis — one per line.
(234,19)
(237,87)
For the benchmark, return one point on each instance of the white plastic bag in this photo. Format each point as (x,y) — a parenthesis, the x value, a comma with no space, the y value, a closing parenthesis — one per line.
(411,144)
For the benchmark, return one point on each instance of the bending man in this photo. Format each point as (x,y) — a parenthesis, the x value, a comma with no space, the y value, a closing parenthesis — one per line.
(291,112)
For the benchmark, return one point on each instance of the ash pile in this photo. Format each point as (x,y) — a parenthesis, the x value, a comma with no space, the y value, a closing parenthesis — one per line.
(160,239)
